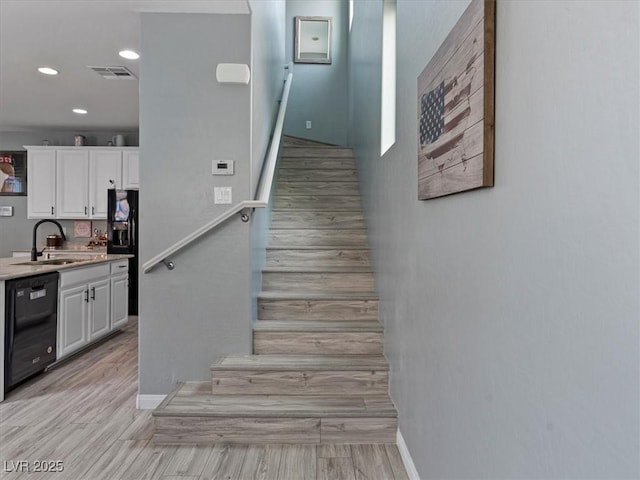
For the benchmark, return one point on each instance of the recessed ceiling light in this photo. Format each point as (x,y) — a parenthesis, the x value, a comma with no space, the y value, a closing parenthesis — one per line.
(48,70)
(129,54)
(80,111)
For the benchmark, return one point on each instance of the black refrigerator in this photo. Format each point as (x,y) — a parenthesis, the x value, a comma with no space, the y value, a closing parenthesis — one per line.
(122,235)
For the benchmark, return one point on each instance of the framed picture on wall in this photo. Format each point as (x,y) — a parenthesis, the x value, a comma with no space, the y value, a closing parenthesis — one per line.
(312,40)
(13,173)
(456,108)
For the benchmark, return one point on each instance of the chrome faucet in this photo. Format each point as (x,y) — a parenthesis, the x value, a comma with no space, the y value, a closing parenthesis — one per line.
(34,251)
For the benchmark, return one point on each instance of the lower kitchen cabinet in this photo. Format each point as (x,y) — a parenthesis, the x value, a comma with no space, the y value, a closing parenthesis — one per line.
(72,320)
(89,305)
(99,308)
(119,300)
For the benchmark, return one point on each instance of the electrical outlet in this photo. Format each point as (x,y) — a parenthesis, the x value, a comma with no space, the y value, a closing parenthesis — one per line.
(308,124)
(222,195)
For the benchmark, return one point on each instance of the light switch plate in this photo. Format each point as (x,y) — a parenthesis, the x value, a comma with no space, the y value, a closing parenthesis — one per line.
(222,195)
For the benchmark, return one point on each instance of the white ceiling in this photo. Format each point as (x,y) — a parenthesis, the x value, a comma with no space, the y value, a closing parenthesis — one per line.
(69,35)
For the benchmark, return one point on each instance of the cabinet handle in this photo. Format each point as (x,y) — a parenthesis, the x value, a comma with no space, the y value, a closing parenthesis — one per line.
(93,293)
(93,210)
(52,210)
(85,209)
(86,296)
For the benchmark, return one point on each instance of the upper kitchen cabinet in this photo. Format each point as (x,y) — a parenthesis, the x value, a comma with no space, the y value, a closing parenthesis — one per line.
(72,182)
(72,179)
(105,166)
(130,168)
(41,181)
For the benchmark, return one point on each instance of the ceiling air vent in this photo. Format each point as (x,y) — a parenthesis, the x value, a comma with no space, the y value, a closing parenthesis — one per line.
(114,73)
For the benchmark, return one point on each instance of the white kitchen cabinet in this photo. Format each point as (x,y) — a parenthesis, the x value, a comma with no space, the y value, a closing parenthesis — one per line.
(73,308)
(99,308)
(104,166)
(119,293)
(41,183)
(84,310)
(130,169)
(119,300)
(72,183)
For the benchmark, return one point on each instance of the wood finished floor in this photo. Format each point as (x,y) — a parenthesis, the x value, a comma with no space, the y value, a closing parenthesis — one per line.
(83,414)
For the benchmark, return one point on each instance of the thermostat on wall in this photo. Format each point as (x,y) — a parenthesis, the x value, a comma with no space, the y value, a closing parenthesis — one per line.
(222,167)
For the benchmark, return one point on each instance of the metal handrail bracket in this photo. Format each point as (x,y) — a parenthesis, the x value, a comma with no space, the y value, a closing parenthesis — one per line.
(262,197)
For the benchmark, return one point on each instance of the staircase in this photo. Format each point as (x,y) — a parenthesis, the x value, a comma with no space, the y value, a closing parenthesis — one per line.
(318,374)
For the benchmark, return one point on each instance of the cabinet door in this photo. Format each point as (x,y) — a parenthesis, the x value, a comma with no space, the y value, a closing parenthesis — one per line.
(72,176)
(99,308)
(41,183)
(103,166)
(119,300)
(72,324)
(130,169)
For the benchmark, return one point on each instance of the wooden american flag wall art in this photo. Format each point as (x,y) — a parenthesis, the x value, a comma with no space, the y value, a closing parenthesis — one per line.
(456,107)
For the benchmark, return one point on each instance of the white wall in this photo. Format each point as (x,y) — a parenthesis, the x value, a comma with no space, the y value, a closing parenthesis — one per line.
(511,314)
(319,92)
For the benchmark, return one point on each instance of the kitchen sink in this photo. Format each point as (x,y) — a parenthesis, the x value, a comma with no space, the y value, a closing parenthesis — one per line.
(53,261)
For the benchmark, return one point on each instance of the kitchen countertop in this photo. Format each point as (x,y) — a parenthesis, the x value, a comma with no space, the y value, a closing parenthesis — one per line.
(9,268)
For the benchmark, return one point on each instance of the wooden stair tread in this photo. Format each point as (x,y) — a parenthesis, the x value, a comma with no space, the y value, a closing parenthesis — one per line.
(302,210)
(310,326)
(301,362)
(191,400)
(317,269)
(355,195)
(317,296)
(317,247)
(304,228)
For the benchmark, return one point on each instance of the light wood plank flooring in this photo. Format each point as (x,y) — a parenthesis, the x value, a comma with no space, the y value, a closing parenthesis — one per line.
(83,415)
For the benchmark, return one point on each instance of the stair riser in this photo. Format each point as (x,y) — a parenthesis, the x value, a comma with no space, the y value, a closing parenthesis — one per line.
(317,188)
(297,174)
(330,238)
(318,282)
(288,219)
(334,382)
(315,152)
(243,430)
(247,430)
(318,258)
(319,343)
(316,202)
(318,163)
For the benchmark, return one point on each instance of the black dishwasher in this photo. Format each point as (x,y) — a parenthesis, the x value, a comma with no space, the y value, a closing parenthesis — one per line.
(31,325)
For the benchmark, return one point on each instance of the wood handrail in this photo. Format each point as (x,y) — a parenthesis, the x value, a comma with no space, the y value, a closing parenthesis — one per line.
(262,197)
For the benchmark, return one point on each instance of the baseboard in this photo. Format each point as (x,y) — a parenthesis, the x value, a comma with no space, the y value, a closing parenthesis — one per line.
(148,402)
(412,472)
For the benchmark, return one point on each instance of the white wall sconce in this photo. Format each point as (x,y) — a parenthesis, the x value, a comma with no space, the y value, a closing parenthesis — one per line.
(237,73)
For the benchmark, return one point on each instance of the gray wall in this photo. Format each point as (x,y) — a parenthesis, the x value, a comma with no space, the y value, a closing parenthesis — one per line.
(203,308)
(319,92)
(200,310)
(267,43)
(268,59)
(15,232)
(511,314)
